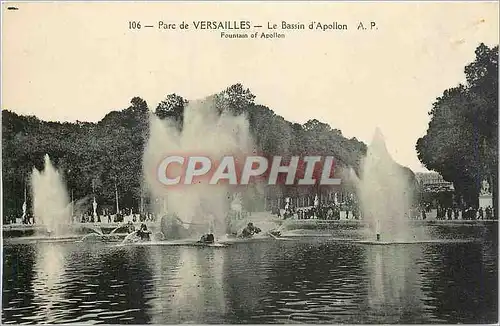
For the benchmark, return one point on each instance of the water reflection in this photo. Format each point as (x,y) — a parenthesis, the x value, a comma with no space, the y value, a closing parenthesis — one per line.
(246,287)
(198,294)
(307,281)
(17,284)
(310,282)
(48,285)
(394,287)
(164,267)
(187,285)
(467,289)
(212,284)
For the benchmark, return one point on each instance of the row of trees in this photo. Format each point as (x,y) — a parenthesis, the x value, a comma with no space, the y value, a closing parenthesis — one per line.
(107,155)
(462,138)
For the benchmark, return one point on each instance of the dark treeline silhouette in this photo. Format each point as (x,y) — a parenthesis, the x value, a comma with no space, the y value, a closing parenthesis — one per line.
(108,154)
(462,138)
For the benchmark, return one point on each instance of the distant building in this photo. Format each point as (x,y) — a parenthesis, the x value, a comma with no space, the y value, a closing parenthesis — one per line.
(433,182)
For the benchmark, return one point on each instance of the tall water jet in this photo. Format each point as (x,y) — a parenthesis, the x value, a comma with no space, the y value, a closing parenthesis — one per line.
(237,204)
(207,132)
(50,200)
(385,193)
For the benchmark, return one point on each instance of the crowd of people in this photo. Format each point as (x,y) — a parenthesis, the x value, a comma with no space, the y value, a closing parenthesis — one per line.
(323,211)
(107,217)
(327,211)
(332,211)
(469,213)
(89,217)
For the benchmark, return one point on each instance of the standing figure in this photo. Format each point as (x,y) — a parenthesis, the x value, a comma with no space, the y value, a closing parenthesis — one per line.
(488,213)
(449,213)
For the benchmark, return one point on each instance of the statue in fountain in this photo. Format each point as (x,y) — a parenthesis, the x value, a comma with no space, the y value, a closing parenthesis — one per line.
(249,231)
(207,239)
(174,228)
(143,233)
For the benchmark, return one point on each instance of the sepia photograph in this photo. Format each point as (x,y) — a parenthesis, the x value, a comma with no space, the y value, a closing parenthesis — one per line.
(232,162)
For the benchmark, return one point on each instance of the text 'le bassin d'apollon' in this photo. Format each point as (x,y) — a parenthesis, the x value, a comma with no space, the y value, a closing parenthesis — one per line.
(247,25)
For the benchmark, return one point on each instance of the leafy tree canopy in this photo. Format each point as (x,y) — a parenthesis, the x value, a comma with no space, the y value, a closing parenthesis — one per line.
(461,141)
(101,156)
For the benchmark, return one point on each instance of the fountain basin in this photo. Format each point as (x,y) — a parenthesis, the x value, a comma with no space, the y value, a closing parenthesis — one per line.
(177,243)
(411,242)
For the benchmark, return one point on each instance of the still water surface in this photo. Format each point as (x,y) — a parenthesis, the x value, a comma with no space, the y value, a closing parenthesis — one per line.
(303,281)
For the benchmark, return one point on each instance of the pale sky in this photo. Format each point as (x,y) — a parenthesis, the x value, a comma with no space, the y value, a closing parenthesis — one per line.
(78,61)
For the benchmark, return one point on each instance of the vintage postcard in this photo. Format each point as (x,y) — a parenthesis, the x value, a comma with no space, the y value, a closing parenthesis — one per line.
(249,162)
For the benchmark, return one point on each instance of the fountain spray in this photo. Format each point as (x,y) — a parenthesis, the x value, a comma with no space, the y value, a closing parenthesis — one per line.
(50,199)
(385,193)
(205,132)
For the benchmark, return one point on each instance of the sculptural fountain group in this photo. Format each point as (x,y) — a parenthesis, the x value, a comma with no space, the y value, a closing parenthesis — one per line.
(383,188)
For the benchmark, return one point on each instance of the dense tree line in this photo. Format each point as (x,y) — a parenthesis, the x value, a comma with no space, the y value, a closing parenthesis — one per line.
(462,138)
(106,155)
